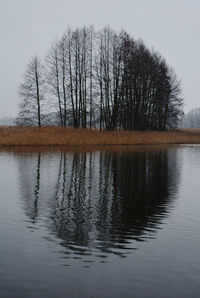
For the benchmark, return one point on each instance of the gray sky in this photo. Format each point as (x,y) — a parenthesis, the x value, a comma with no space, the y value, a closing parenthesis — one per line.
(28,27)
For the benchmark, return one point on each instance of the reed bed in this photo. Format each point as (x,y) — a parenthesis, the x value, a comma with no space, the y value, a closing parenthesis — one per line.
(57,136)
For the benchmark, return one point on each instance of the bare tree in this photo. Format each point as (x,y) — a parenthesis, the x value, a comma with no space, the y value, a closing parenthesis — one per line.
(31,92)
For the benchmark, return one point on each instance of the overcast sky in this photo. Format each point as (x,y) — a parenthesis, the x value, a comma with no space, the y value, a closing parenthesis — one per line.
(28,27)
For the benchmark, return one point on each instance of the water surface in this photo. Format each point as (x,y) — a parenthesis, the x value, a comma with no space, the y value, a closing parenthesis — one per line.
(100,222)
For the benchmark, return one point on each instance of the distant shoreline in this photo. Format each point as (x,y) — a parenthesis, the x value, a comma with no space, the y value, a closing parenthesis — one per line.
(11,136)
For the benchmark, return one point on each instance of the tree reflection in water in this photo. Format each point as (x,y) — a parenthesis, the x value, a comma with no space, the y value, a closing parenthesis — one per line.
(99,202)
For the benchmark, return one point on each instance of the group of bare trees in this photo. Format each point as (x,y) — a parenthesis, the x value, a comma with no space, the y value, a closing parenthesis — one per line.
(100,79)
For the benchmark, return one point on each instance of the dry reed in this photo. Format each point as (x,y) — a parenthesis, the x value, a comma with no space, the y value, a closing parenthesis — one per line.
(57,136)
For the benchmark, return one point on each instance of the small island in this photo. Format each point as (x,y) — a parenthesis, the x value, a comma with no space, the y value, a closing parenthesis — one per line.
(99,149)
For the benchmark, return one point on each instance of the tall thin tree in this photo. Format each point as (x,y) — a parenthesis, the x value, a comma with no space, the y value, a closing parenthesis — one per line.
(31,92)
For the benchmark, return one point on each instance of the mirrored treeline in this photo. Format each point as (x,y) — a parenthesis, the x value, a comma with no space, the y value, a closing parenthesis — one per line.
(99,201)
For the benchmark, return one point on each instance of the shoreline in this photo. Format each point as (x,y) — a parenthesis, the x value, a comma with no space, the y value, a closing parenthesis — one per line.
(13,136)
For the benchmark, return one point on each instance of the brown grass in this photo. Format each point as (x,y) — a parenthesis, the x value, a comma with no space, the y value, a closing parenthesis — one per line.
(56,136)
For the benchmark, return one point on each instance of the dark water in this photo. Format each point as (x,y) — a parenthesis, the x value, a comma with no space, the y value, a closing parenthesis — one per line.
(118,222)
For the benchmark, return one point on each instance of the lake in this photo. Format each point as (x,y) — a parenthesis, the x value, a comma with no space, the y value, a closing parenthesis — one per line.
(100,222)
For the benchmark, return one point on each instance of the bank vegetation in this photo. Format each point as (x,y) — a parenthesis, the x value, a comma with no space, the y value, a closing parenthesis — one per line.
(58,136)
